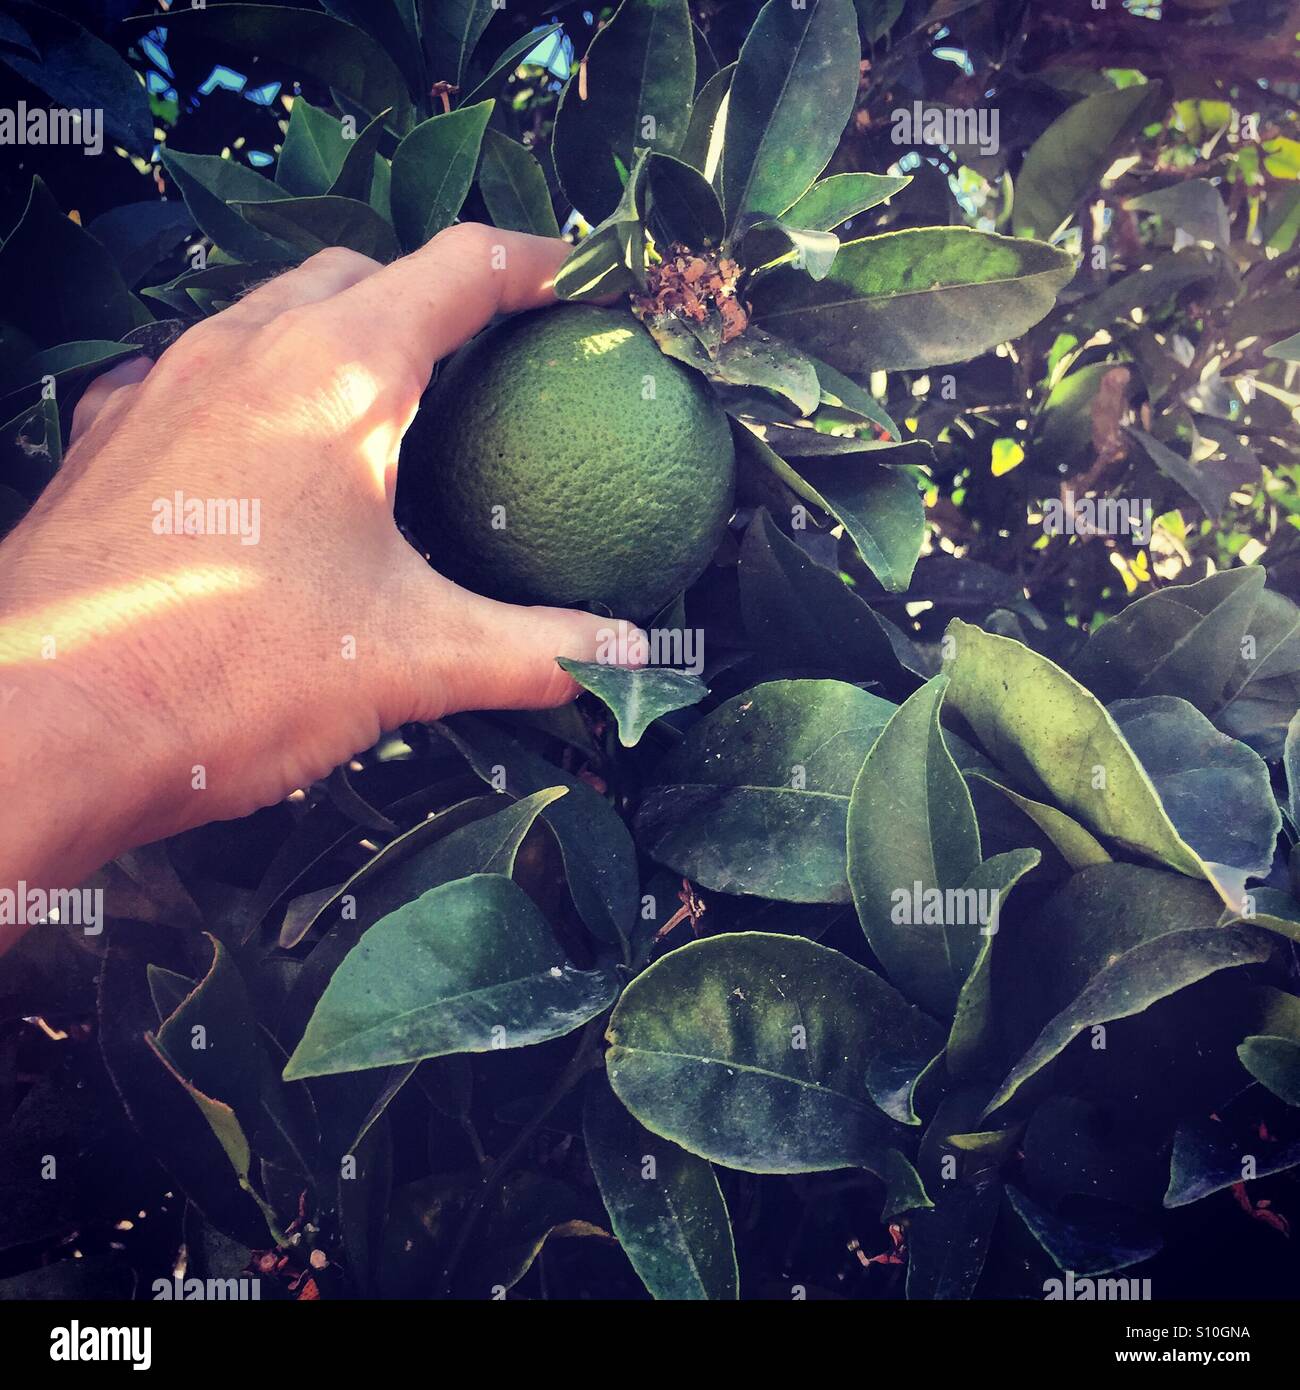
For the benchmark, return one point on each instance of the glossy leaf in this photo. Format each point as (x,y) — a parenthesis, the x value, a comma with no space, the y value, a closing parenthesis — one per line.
(1184,640)
(1275,1063)
(468,967)
(433,169)
(451,30)
(791,97)
(917,298)
(829,202)
(514,187)
(1193,207)
(1071,155)
(509,60)
(749,1050)
(1107,1238)
(664,1204)
(209,186)
(972,1039)
(755,799)
(702,147)
(1216,791)
(804,614)
(640,80)
(599,858)
(1079,847)
(311,224)
(911,823)
(1059,743)
(637,697)
(313,152)
(681,205)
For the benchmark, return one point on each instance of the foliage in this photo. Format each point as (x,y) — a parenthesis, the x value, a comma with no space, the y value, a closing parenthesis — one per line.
(927,878)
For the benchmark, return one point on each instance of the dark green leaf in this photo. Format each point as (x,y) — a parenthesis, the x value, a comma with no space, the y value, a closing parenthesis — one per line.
(1101,1238)
(1071,155)
(334,53)
(209,184)
(911,826)
(470,966)
(61,285)
(664,1204)
(637,697)
(80,72)
(791,97)
(755,799)
(599,858)
(433,169)
(702,147)
(681,205)
(139,235)
(1216,791)
(357,178)
(749,1050)
(1275,1063)
(514,187)
(313,152)
(452,29)
(1184,640)
(1192,206)
(311,224)
(917,298)
(506,64)
(640,79)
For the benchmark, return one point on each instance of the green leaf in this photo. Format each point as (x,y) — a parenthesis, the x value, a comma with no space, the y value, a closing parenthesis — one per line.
(514,187)
(334,53)
(65,363)
(422,858)
(1207,486)
(1078,846)
(61,285)
(1107,1237)
(357,178)
(1209,1156)
(880,509)
(948,1243)
(829,202)
(599,858)
(918,298)
(904,1190)
(749,1050)
(1291,768)
(1072,154)
(209,184)
(219,280)
(505,65)
(640,82)
(78,71)
(702,147)
(1286,351)
(803,614)
(1263,693)
(1058,742)
(664,1204)
(636,698)
(842,393)
(611,258)
(1114,940)
(470,966)
(1192,206)
(452,29)
(1183,641)
(972,1039)
(313,152)
(1216,791)
(681,205)
(140,235)
(1275,1063)
(311,224)
(791,96)
(772,240)
(433,169)
(756,798)
(911,823)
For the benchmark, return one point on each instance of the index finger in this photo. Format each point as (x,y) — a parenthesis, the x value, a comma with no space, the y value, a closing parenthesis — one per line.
(427,304)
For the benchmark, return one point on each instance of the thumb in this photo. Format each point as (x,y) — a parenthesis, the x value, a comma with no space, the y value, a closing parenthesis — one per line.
(475,653)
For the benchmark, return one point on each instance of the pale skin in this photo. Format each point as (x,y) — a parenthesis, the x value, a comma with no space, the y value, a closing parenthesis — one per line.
(152,683)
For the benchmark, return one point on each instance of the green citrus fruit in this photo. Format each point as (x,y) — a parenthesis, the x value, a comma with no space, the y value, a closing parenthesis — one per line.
(562,458)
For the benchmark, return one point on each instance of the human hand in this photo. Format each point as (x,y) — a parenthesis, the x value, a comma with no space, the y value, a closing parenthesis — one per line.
(153,682)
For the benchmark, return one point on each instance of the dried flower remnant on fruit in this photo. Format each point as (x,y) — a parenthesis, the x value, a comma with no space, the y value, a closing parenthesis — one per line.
(689,284)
